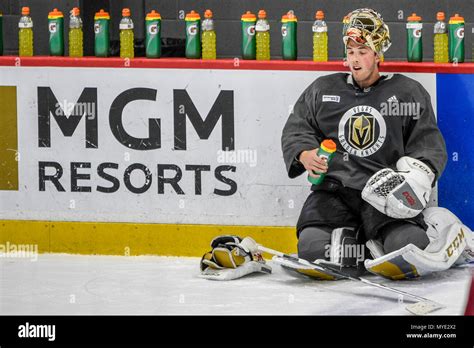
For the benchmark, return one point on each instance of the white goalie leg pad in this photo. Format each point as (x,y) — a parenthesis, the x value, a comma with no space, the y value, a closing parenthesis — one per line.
(451,242)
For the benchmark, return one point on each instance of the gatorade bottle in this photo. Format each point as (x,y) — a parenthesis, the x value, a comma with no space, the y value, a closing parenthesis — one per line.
(56,36)
(75,34)
(249,44)
(153,34)
(440,39)
(1,34)
(325,151)
(25,36)
(320,38)
(288,32)
(126,35)
(263,36)
(101,31)
(193,35)
(208,37)
(414,39)
(456,39)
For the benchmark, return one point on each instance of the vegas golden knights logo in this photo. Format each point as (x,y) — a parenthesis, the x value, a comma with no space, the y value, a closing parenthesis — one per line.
(362,131)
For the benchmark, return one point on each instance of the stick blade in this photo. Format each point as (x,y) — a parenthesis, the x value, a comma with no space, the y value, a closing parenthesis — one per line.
(423,307)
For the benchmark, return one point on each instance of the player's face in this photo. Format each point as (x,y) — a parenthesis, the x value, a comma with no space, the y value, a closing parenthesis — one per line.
(363,63)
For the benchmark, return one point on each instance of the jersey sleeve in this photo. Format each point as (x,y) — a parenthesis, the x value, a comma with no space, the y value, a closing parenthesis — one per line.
(423,139)
(301,131)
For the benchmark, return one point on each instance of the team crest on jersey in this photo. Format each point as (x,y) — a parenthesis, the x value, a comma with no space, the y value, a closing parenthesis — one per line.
(362,131)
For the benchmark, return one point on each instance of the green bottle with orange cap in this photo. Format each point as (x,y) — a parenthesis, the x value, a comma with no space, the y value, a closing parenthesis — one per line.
(289,44)
(153,34)
(249,44)
(456,39)
(325,151)
(414,39)
(193,35)
(56,35)
(101,32)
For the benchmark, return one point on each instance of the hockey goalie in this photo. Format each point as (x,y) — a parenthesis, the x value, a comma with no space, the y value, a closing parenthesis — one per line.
(370,211)
(379,182)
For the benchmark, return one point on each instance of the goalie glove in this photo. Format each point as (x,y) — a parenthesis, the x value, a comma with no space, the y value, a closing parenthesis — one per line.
(229,260)
(225,253)
(403,193)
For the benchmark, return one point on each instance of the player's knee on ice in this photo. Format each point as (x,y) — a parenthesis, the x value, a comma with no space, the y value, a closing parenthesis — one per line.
(399,234)
(313,243)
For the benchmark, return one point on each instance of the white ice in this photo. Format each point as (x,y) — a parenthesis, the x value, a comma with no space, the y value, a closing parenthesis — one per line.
(72,284)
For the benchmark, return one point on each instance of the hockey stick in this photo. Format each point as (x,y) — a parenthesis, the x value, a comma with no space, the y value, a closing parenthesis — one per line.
(424,305)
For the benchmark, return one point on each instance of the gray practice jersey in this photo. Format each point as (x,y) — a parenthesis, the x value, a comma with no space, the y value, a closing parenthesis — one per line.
(372,127)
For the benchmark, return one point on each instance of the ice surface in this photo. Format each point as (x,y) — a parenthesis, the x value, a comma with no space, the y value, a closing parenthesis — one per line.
(73,284)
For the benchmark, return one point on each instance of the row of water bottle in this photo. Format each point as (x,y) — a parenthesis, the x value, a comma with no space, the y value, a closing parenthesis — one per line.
(56,40)
(448,39)
(201,37)
(256,36)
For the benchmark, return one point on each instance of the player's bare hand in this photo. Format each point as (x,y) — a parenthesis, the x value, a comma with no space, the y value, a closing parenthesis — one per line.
(312,162)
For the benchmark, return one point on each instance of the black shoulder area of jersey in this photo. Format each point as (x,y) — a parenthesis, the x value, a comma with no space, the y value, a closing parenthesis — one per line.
(407,84)
(330,81)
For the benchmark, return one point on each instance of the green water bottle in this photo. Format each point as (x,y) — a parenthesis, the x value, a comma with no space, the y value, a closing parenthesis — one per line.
(153,34)
(326,151)
(101,32)
(193,35)
(456,39)
(288,32)
(414,39)
(249,43)
(1,34)
(56,35)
